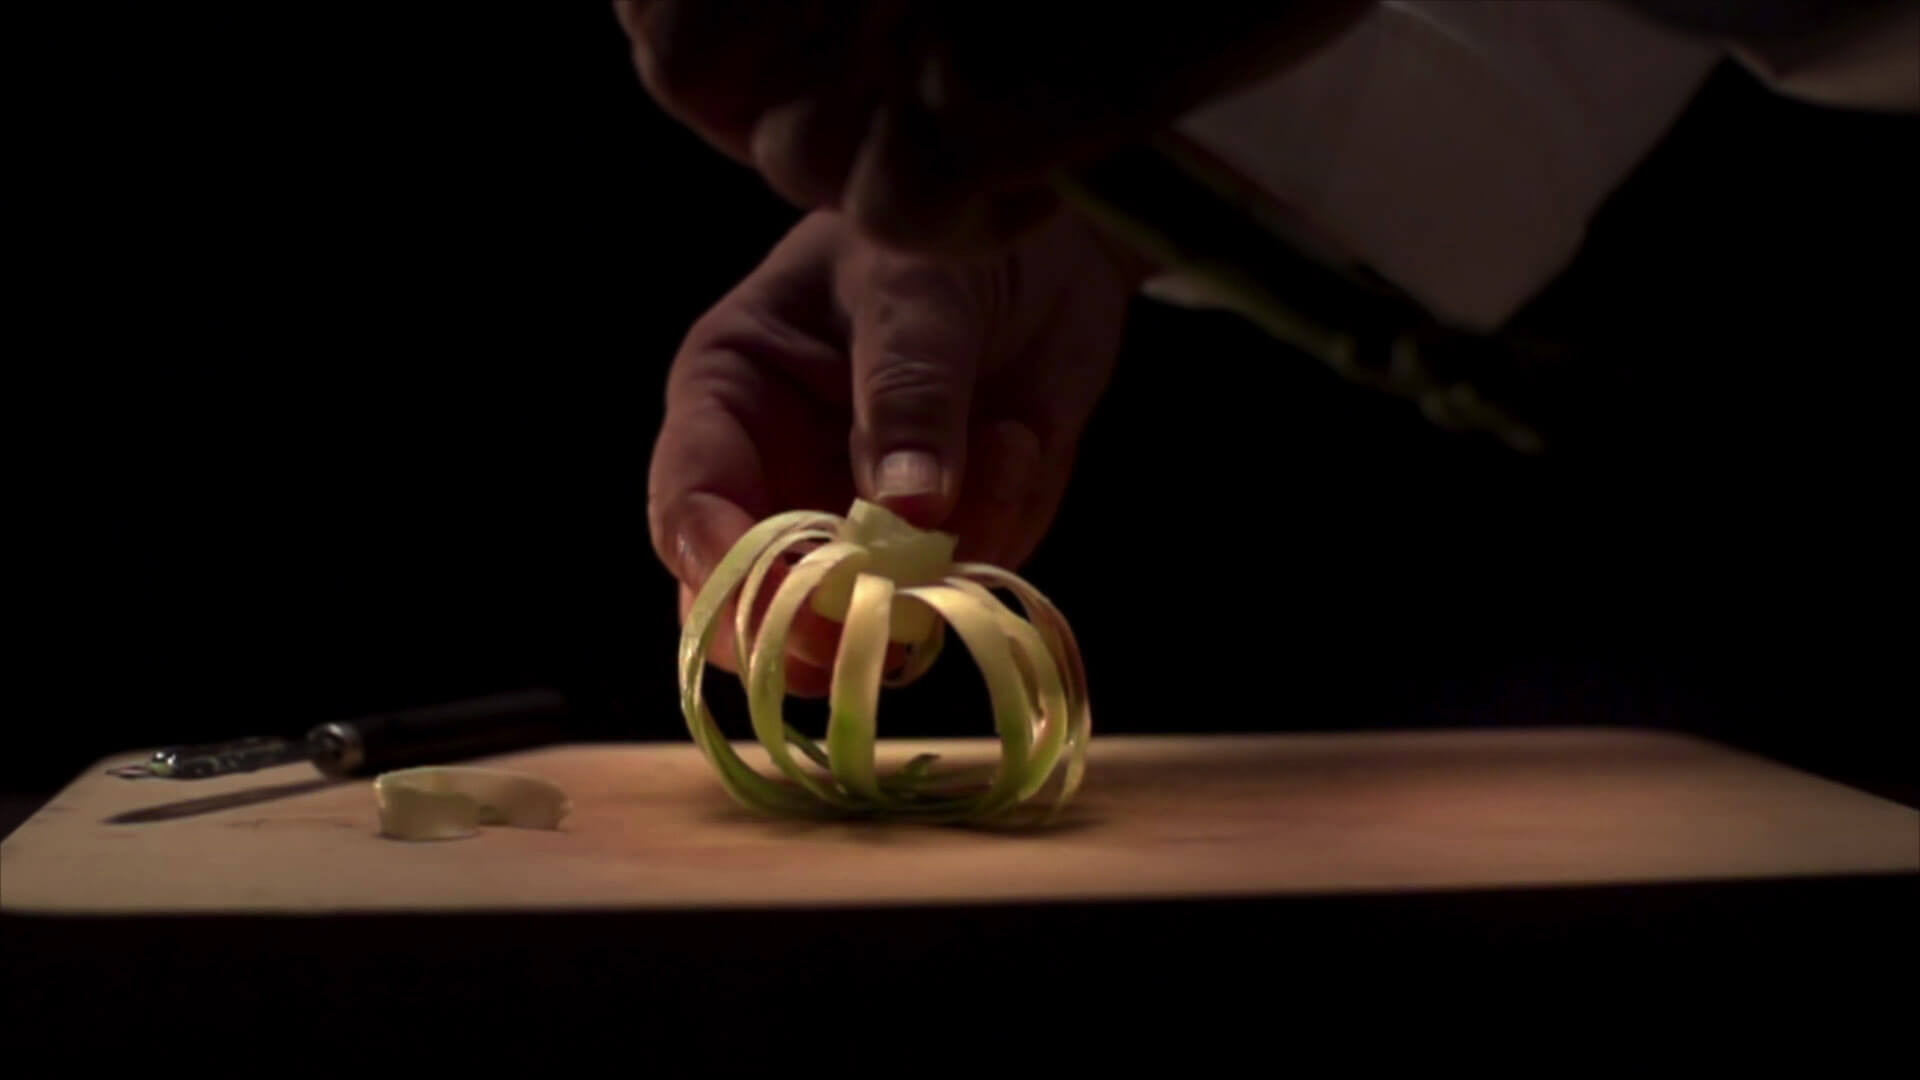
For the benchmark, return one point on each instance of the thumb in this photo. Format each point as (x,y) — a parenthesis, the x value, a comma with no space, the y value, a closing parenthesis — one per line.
(917,334)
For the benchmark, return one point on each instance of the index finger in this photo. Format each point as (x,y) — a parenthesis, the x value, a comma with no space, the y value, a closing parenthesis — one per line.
(756,424)
(750,386)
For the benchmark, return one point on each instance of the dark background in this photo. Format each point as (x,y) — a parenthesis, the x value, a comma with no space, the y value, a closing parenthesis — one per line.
(360,318)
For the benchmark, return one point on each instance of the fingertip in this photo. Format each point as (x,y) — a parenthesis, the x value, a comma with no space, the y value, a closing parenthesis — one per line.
(811,646)
(804,680)
(919,511)
(720,649)
(813,638)
(701,529)
(915,484)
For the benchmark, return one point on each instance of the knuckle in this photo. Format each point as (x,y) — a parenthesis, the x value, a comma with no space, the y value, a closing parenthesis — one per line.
(891,279)
(891,221)
(919,391)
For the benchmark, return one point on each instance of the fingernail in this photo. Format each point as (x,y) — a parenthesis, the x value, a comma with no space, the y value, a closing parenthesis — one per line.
(906,472)
(691,568)
(699,546)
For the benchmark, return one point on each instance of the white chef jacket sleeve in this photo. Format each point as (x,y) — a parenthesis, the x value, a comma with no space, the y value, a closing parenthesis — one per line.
(1459,148)
(1872,63)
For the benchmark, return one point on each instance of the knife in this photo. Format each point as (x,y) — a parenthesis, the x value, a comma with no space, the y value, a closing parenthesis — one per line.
(376,743)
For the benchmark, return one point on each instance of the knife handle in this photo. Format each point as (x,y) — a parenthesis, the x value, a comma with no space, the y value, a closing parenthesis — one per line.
(437,733)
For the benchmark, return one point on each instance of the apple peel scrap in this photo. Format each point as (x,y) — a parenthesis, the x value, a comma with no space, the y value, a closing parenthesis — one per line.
(452,802)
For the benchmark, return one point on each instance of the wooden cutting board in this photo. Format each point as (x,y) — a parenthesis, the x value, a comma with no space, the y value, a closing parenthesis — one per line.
(1161,817)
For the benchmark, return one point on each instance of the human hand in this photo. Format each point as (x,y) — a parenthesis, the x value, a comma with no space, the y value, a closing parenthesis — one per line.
(952,392)
(933,126)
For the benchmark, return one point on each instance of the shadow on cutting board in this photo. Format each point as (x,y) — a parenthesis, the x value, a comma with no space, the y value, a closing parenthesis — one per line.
(210,803)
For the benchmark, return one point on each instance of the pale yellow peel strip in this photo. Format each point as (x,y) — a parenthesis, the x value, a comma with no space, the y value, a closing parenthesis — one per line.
(743,614)
(740,780)
(901,553)
(450,802)
(980,632)
(1047,685)
(766,669)
(756,577)
(855,698)
(1058,635)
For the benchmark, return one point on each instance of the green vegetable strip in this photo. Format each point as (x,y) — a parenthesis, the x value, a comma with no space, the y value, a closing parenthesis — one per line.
(980,632)
(766,671)
(921,656)
(910,778)
(750,592)
(856,687)
(741,782)
(743,617)
(1060,641)
(1047,686)
(808,747)
(952,781)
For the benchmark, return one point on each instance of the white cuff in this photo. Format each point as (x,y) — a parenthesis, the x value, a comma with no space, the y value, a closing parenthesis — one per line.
(1459,148)
(1875,65)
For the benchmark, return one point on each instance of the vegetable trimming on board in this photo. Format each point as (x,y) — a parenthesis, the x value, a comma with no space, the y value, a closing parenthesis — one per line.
(450,802)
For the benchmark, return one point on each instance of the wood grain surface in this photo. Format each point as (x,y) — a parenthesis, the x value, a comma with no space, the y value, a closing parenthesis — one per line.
(1161,817)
